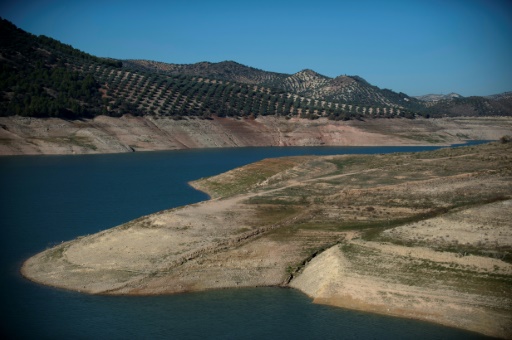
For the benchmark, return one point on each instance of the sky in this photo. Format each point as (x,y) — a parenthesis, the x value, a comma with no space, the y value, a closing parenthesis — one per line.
(416,47)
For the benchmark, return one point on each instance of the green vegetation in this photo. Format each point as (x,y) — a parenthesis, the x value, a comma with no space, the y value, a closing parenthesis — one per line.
(50,92)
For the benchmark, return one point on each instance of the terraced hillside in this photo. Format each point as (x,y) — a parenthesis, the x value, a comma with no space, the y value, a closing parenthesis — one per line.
(359,97)
(41,77)
(44,78)
(306,83)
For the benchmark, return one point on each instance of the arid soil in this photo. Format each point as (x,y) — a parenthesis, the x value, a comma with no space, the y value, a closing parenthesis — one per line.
(421,235)
(23,135)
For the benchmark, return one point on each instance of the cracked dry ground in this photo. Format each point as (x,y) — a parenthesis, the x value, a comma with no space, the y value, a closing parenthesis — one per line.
(422,235)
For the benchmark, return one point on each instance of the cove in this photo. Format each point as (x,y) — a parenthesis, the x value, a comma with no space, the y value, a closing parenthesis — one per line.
(49,199)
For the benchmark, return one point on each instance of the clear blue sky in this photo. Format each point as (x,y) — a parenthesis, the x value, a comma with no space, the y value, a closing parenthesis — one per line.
(417,47)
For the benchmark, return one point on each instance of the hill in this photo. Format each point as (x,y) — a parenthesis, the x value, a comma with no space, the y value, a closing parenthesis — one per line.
(42,77)
(349,91)
(438,97)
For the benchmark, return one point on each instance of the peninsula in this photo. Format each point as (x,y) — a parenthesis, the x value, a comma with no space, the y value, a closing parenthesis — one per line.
(418,235)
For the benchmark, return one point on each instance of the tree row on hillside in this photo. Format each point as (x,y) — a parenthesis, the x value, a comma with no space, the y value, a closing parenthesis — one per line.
(186,96)
(42,77)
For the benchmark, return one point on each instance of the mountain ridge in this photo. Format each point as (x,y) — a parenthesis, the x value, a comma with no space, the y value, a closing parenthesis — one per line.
(437,97)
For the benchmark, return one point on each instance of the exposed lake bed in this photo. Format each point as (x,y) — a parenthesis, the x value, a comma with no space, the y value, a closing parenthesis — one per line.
(243,258)
(103,134)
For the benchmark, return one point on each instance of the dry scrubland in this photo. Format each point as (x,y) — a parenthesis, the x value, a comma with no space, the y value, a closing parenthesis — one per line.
(419,235)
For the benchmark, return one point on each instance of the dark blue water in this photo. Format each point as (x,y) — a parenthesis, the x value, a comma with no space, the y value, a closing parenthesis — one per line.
(48,199)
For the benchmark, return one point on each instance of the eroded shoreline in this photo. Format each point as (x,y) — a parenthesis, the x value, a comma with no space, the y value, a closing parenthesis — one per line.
(52,136)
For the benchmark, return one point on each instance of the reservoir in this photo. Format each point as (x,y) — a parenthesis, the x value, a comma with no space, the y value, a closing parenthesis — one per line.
(45,200)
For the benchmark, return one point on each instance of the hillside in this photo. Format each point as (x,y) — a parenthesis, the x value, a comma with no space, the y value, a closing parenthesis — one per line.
(418,235)
(352,92)
(438,97)
(41,77)
(226,70)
